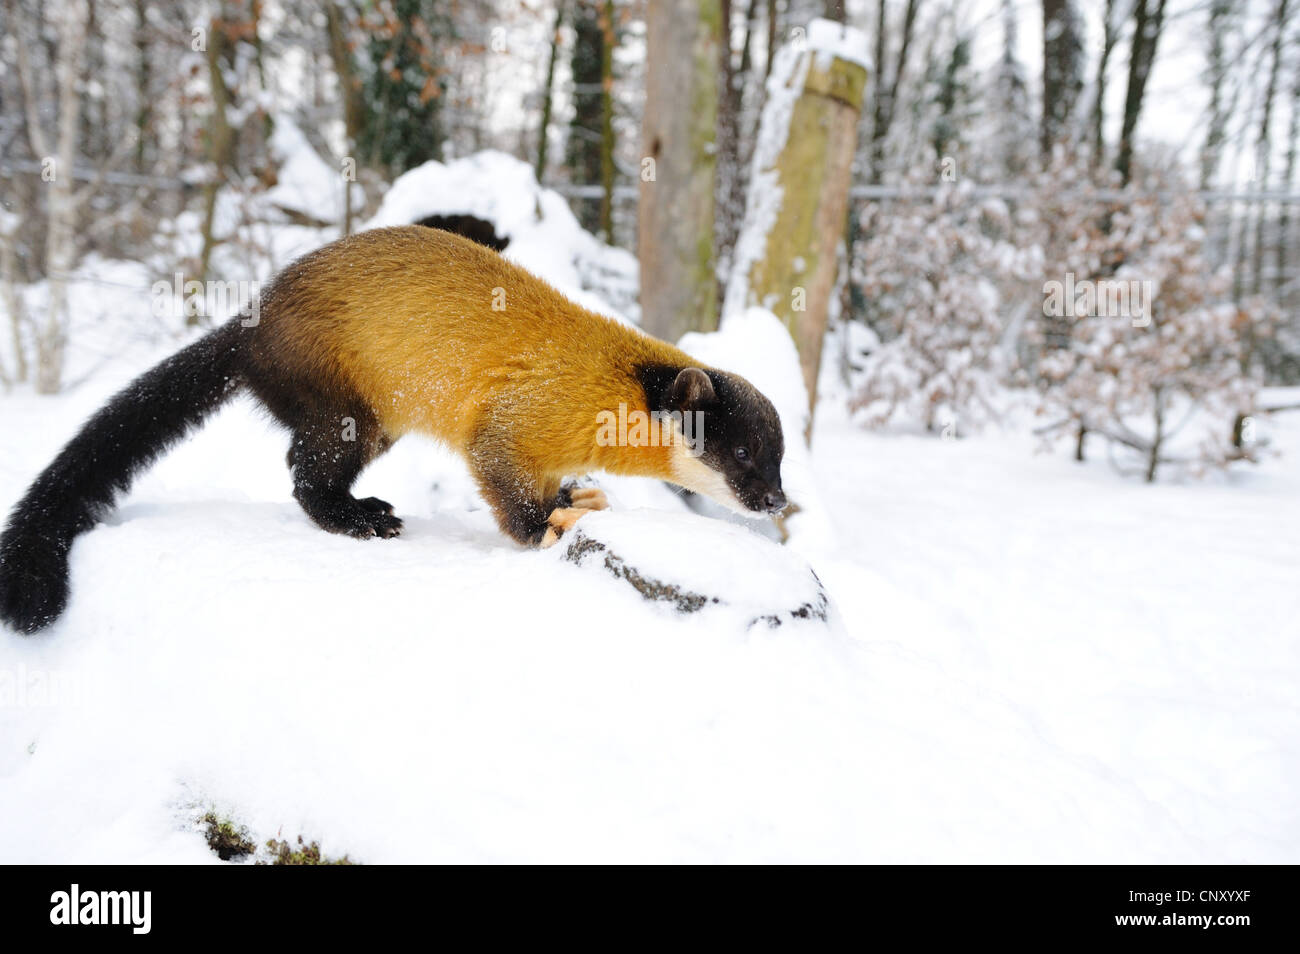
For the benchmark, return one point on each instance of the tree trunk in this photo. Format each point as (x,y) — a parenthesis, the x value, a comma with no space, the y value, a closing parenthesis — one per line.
(1110,35)
(220,145)
(771,38)
(548,93)
(1220,18)
(1147,24)
(794,275)
(354,109)
(679,131)
(1288,179)
(886,90)
(1264,144)
(583,146)
(607,122)
(1157,440)
(1062,71)
(143,81)
(12,301)
(61,236)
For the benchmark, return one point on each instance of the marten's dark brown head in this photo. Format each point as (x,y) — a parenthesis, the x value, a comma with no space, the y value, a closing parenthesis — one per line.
(732,442)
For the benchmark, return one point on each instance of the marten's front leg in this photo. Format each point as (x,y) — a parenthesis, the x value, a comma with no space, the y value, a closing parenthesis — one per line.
(580,501)
(512,486)
(529,507)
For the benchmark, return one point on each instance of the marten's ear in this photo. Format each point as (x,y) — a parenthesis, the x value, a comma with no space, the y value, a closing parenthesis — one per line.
(691,388)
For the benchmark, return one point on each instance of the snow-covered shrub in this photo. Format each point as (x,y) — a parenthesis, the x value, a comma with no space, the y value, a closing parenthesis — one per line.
(1135,339)
(930,270)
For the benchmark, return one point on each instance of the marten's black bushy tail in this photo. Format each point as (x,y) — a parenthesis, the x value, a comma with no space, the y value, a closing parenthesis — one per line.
(79,487)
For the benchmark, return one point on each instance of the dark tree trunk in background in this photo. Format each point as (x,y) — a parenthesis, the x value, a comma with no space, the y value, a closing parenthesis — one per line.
(143,82)
(1062,71)
(220,143)
(582,151)
(548,93)
(1109,37)
(1221,17)
(1264,142)
(608,41)
(771,37)
(1148,21)
(885,87)
(1287,183)
(732,153)
(354,106)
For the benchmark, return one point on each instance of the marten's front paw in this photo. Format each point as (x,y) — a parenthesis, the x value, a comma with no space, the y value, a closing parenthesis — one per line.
(365,524)
(560,520)
(589,498)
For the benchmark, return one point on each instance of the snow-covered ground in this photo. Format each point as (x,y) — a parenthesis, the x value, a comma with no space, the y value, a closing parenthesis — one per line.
(1025,659)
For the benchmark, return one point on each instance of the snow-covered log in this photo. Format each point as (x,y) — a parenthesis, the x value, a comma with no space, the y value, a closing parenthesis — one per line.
(693,564)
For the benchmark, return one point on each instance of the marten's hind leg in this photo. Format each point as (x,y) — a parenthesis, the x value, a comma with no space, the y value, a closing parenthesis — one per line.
(325,457)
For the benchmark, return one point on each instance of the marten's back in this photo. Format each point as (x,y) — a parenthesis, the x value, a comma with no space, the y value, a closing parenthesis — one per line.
(435,331)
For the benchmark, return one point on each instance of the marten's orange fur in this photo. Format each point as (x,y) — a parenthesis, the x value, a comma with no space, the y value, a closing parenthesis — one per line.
(440,335)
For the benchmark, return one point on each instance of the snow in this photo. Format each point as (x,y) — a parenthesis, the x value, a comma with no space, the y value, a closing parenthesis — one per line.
(544,234)
(830,39)
(1024,660)
(307,184)
(1028,661)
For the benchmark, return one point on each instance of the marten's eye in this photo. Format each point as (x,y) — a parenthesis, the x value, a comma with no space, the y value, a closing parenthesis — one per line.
(742,454)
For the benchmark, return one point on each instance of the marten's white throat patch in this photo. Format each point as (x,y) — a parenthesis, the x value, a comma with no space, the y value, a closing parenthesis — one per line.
(691,472)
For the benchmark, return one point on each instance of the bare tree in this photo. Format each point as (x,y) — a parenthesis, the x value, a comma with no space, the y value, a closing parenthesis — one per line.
(609,40)
(1288,181)
(11,299)
(548,92)
(732,151)
(1263,142)
(678,133)
(886,83)
(220,137)
(59,158)
(350,92)
(1221,19)
(1112,22)
(1148,21)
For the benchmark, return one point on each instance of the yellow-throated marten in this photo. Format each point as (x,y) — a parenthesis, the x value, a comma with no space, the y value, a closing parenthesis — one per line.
(398,330)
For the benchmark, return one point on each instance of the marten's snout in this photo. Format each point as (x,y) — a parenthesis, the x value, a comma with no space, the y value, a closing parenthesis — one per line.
(774,501)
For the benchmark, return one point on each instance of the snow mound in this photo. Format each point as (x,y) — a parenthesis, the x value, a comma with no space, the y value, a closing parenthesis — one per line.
(544,235)
(692,564)
(754,344)
(306,184)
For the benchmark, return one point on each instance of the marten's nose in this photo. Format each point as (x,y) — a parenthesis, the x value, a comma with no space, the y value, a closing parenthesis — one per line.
(774,501)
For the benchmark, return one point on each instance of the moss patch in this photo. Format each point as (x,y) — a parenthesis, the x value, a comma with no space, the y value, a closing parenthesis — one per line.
(282,853)
(226,838)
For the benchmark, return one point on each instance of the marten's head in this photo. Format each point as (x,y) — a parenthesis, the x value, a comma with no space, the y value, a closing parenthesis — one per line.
(732,443)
